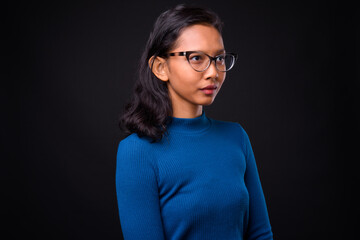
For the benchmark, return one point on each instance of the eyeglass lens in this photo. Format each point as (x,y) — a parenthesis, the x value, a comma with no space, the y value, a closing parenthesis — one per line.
(200,61)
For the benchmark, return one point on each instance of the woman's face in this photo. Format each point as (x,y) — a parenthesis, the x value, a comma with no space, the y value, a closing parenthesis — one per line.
(185,85)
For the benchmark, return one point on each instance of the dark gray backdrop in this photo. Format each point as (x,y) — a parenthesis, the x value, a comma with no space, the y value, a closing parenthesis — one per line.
(69,68)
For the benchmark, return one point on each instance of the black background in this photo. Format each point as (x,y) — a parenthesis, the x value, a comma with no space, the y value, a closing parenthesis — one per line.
(69,68)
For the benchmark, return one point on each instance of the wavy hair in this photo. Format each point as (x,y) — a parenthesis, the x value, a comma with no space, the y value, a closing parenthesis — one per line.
(149,110)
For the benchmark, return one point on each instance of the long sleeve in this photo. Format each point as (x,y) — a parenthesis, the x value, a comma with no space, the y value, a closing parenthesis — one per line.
(137,192)
(198,182)
(259,224)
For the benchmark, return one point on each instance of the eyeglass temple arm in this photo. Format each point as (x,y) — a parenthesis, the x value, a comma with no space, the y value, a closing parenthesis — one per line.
(178,54)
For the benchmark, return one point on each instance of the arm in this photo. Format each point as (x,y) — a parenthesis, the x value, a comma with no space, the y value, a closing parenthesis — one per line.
(259,223)
(137,193)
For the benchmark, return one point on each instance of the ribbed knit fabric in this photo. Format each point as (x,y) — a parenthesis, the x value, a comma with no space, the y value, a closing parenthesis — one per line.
(200,182)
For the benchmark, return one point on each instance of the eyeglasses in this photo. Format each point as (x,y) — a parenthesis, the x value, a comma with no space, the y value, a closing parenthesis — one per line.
(200,61)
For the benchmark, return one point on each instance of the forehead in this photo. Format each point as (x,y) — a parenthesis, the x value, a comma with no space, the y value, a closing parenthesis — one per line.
(199,37)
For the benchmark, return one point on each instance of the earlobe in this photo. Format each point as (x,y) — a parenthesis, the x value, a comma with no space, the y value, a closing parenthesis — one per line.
(158,67)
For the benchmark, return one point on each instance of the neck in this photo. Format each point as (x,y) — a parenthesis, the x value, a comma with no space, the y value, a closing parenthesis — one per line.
(189,125)
(190,112)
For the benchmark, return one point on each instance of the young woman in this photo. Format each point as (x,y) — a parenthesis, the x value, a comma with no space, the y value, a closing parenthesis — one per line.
(180,174)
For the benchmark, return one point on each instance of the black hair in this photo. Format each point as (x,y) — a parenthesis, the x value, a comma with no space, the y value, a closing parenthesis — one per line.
(147,114)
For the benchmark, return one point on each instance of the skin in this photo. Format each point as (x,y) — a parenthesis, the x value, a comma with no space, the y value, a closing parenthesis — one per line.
(183,82)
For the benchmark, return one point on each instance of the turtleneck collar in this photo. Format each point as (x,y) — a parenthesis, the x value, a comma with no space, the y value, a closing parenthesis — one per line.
(189,125)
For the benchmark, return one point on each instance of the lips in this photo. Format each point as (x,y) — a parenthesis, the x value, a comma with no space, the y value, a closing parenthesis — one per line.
(209,90)
(209,87)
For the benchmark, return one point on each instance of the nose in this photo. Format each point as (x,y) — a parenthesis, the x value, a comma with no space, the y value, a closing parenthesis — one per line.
(212,71)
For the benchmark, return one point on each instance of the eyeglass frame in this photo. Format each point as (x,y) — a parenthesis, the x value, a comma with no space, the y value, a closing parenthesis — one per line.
(187,54)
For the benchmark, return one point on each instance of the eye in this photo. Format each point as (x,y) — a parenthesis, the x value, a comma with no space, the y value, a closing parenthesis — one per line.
(220,58)
(195,58)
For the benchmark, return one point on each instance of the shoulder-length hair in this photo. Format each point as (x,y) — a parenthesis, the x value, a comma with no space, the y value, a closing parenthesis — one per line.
(149,110)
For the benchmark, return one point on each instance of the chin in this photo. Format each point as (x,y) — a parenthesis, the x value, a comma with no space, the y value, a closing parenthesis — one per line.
(207,102)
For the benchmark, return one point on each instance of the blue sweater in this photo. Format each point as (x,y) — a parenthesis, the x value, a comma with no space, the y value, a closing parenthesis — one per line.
(198,182)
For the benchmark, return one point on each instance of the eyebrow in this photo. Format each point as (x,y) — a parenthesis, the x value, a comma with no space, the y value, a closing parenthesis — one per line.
(221,51)
(217,52)
(206,52)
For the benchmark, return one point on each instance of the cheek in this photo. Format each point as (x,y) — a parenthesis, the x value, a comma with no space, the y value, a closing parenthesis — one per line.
(221,78)
(177,69)
(183,78)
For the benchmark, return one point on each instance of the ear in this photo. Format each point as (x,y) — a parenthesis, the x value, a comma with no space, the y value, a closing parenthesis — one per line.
(158,66)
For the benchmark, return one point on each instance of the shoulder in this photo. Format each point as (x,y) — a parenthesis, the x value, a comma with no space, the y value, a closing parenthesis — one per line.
(135,156)
(233,131)
(230,127)
(134,141)
(134,147)
(136,166)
